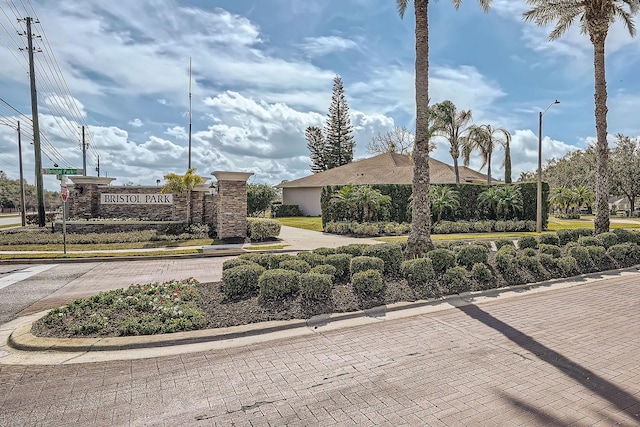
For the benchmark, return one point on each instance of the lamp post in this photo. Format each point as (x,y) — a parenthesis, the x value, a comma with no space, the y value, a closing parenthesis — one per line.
(539,195)
(23,212)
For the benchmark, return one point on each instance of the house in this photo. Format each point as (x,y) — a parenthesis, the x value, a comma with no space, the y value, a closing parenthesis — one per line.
(387,168)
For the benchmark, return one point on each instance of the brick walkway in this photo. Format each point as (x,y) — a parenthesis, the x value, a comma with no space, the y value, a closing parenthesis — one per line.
(569,357)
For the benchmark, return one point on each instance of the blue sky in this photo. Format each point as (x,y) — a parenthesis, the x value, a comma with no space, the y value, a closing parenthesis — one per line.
(263,70)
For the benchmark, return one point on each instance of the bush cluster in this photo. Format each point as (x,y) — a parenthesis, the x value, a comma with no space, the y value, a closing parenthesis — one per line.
(260,229)
(441,227)
(278,210)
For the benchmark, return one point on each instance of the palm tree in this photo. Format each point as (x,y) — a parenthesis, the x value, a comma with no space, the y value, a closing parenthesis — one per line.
(596,16)
(453,125)
(488,199)
(371,201)
(444,198)
(563,197)
(346,202)
(419,241)
(584,196)
(482,138)
(183,185)
(509,201)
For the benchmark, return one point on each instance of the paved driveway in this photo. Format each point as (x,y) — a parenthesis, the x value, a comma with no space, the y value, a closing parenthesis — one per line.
(567,357)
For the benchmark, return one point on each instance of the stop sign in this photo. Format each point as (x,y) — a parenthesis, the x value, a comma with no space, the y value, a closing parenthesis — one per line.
(64,191)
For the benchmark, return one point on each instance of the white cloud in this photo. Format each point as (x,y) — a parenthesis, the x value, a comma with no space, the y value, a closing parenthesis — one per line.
(162,101)
(65,106)
(319,46)
(136,123)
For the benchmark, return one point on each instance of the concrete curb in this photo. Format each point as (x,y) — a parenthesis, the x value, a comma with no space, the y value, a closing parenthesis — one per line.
(22,339)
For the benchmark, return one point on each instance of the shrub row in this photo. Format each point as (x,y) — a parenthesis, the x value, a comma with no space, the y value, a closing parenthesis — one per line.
(442,227)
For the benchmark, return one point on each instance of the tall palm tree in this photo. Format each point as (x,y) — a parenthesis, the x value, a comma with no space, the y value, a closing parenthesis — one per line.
(453,125)
(596,16)
(483,139)
(182,185)
(419,241)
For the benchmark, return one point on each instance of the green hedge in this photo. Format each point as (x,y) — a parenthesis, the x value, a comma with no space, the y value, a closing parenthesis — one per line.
(259,229)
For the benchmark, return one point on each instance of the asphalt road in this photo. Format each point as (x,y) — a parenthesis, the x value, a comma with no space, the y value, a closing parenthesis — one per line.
(564,357)
(9,220)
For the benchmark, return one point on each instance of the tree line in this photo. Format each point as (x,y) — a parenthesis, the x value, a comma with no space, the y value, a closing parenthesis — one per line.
(10,196)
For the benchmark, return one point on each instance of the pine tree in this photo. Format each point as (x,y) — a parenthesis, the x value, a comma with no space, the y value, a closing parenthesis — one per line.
(316,146)
(339,142)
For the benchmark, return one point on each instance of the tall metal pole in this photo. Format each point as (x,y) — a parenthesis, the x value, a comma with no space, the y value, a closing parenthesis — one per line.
(84,154)
(36,127)
(189,167)
(22,205)
(539,195)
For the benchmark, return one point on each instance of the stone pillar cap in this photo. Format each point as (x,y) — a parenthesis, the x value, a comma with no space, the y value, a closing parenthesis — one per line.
(98,180)
(231,176)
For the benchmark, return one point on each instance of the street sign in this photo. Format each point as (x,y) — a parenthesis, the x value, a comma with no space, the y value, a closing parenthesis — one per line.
(64,191)
(60,171)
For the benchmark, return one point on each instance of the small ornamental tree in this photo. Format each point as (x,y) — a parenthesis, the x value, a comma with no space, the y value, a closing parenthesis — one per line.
(182,185)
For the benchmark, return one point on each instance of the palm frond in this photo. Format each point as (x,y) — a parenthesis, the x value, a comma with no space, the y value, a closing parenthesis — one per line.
(402,7)
(484,4)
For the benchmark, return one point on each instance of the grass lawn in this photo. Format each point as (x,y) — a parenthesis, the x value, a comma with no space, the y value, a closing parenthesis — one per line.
(313,223)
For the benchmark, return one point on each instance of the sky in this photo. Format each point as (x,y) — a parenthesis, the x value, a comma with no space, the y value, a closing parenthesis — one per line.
(262,72)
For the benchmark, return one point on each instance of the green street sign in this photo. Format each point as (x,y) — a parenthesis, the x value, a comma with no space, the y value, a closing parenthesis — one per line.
(60,171)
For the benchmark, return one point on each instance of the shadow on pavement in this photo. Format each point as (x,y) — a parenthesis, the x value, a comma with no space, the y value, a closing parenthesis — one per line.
(621,399)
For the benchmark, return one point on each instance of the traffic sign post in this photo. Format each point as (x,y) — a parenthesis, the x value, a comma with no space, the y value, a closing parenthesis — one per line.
(64,193)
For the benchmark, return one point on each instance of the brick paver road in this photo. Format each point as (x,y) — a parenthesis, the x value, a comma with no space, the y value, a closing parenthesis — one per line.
(568,357)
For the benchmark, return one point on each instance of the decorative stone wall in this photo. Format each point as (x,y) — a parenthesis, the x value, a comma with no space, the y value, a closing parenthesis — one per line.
(224,208)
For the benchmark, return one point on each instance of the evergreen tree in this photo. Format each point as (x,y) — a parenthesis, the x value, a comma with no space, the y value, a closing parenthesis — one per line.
(339,142)
(316,146)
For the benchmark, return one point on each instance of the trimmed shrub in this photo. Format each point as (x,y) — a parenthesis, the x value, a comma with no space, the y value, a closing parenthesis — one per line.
(551,250)
(315,285)
(608,239)
(454,280)
(364,263)
(468,255)
(365,229)
(265,260)
(589,241)
(234,262)
(259,229)
(417,271)
(278,283)
(508,249)
(296,265)
(325,269)
(532,264)
(354,249)
(549,262)
(598,255)
(527,242)
(390,253)
(529,252)
(442,260)
(581,255)
(481,273)
(504,242)
(572,235)
(625,235)
(276,259)
(482,226)
(342,263)
(549,239)
(324,251)
(241,280)
(278,210)
(367,282)
(507,265)
(624,253)
(311,258)
(568,266)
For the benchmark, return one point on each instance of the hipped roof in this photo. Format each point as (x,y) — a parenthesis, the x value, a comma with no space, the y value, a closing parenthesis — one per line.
(387,168)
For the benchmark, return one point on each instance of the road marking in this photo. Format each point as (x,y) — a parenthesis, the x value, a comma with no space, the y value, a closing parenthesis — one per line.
(24,274)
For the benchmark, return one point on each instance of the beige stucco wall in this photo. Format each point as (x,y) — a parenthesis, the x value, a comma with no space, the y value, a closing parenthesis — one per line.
(308,199)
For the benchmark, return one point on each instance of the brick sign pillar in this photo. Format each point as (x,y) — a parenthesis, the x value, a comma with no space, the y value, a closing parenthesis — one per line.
(232,204)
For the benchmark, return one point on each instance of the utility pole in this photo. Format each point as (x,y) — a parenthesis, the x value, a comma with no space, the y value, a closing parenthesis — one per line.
(189,167)
(22,206)
(98,167)
(36,126)
(84,154)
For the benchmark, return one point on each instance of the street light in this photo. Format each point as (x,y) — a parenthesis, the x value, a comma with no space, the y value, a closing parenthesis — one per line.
(539,198)
(22,206)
